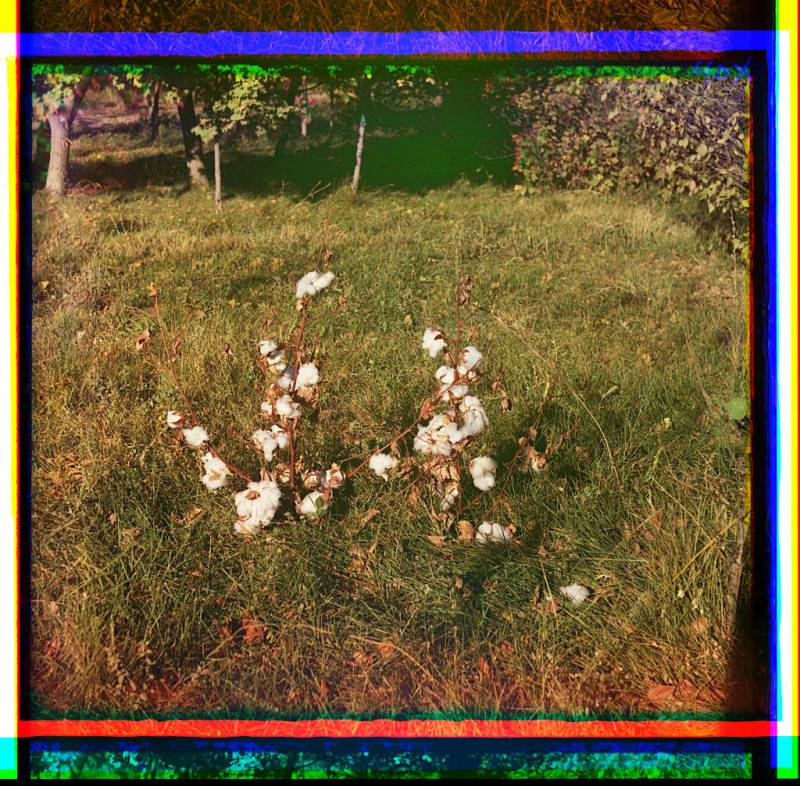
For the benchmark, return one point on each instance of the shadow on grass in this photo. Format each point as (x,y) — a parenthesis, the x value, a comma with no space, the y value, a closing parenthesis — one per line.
(415,156)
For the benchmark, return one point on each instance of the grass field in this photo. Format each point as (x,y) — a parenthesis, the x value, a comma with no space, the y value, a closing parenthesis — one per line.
(145,600)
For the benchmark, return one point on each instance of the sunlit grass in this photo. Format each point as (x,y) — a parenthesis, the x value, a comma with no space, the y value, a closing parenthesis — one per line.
(636,323)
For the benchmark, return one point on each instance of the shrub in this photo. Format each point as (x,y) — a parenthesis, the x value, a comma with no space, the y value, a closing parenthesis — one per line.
(679,134)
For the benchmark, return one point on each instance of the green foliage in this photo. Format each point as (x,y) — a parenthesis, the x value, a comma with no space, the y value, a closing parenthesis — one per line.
(683,135)
(248,98)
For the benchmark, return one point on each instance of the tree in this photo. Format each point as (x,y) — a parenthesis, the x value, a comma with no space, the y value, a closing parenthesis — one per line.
(242,98)
(192,143)
(57,96)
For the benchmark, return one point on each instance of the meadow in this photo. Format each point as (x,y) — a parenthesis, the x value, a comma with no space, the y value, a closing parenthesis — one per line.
(614,323)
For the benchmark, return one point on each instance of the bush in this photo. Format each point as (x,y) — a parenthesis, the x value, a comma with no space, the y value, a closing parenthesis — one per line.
(683,135)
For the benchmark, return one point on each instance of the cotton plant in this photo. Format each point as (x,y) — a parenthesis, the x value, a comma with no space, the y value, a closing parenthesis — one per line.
(450,421)
(457,415)
(293,387)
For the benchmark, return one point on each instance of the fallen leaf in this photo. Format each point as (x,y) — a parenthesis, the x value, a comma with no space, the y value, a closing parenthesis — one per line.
(253,629)
(142,339)
(465,530)
(193,515)
(659,694)
(112,517)
(427,409)
(686,691)
(369,515)
(437,540)
(386,647)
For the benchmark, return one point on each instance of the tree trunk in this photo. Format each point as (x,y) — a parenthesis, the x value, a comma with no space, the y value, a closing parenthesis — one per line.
(217,176)
(283,129)
(60,123)
(154,112)
(362,127)
(56,184)
(192,145)
(303,110)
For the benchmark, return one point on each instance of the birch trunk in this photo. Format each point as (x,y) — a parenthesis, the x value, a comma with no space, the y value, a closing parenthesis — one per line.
(362,127)
(217,175)
(303,109)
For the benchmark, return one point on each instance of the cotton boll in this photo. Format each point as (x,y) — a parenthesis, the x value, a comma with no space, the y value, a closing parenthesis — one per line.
(216,472)
(471,358)
(312,505)
(287,408)
(438,436)
(423,441)
(195,437)
(286,380)
(333,478)
(281,437)
(325,279)
(483,482)
(492,532)
(447,390)
(305,286)
(267,408)
(381,463)
(246,526)
(482,470)
(312,283)
(433,341)
(453,392)
(451,432)
(175,419)
(277,362)
(307,376)
(445,375)
(474,416)
(269,441)
(575,592)
(256,505)
(274,357)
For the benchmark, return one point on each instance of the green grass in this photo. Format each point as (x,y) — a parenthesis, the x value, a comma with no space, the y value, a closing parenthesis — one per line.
(627,313)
